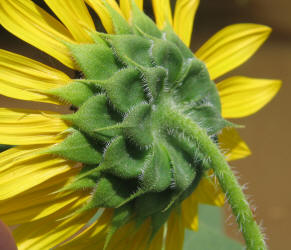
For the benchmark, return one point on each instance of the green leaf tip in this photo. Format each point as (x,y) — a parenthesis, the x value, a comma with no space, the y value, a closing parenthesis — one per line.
(96,61)
(75,93)
(78,147)
(143,22)
(120,25)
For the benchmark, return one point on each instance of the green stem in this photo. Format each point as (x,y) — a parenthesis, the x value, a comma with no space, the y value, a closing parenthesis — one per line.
(253,237)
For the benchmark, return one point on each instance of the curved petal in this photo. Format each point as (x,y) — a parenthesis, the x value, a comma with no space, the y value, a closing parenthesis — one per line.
(175,233)
(129,238)
(158,241)
(242,96)
(32,24)
(209,192)
(102,12)
(21,78)
(39,201)
(75,16)
(232,46)
(27,171)
(32,212)
(184,15)
(94,235)
(126,8)
(190,212)
(163,12)
(231,143)
(140,239)
(52,230)
(26,127)
(8,156)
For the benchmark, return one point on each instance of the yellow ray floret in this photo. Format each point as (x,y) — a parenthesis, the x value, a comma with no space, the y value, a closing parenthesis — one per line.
(75,16)
(52,230)
(29,170)
(184,15)
(25,127)
(39,201)
(99,7)
(8,157)
(139,241)
(158,241)
(94,235)
(230,142)
(46,205)
(163,12)
(125,7)
(127,237)
(209,192)
(242,96)
(190,213)
(175,231)
(32,24)
(231,46)
(22,78)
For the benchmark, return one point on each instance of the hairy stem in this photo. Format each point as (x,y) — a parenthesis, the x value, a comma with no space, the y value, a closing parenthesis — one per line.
(253,236)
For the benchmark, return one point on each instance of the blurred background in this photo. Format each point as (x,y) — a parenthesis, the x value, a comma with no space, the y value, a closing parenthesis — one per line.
(267,171)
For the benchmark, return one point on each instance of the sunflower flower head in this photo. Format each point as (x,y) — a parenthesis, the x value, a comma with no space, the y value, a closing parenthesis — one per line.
(136,161)
(140,147)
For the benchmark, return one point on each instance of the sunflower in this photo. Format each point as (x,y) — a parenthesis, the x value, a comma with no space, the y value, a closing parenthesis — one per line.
(117,172)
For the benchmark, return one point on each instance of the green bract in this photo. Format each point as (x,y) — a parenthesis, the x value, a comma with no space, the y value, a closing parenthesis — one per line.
(134,159)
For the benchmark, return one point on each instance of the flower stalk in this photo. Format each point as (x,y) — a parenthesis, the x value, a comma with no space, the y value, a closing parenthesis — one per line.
(250,229)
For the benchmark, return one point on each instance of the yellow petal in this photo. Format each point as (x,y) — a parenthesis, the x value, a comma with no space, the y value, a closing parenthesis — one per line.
(25,127)
(102,12)
(190,213)
(163,12)
(21,77)
(50,231)
(140,239)
(232,46)
(243,96)
(94,235)
(27,171)
(38,202)
(38,211)
(127,238)
(125,7)
(209,192)
(32,24)
(18,153)
(232,144)
(157,242)
(7,157)
(75,16)
(184,15)
(175,233)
